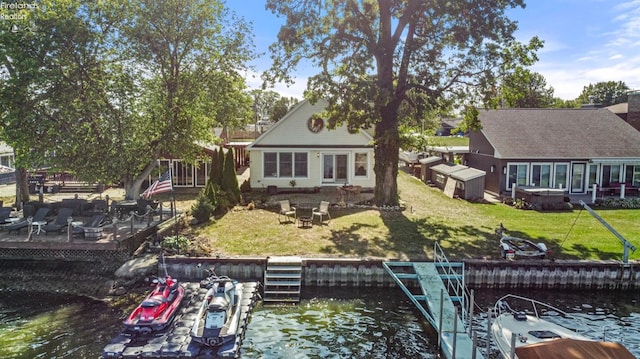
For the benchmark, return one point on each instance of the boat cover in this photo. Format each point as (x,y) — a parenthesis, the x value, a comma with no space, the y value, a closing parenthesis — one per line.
(573,349)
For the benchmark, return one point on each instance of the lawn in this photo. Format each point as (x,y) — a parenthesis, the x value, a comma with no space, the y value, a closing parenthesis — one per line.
(464,230)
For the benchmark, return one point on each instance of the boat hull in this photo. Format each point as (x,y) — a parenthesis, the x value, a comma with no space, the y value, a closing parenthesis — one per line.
(224,330)
(156,312)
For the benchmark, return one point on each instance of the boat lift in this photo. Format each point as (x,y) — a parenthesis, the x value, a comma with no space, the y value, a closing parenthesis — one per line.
(625,243)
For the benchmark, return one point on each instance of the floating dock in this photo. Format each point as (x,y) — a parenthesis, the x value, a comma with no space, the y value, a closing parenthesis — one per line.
(175,342)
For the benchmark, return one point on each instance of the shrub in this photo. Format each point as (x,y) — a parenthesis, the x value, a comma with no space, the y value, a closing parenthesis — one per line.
(245,187)
(202,209)
(178,243)
(230,179)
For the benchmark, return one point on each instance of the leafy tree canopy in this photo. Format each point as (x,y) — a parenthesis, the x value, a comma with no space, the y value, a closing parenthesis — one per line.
(380,61)
(111,86)
(525,89)
(604,93)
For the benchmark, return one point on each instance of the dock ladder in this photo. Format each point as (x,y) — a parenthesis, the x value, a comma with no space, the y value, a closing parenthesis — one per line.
(282,280)
(439,293)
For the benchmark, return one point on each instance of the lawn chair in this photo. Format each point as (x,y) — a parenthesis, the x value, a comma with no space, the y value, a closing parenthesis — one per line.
(39,216)
(61,221)
(322,212)
(5,213)
(287,212)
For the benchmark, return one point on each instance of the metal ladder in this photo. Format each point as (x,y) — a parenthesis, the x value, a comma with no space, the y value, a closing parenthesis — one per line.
(282,280)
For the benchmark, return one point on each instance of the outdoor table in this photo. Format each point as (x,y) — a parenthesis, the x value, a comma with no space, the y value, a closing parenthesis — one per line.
(38,225)
(123,208)
(305,221)
(11,220)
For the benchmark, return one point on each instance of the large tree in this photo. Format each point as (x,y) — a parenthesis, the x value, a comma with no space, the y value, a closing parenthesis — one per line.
(48,73)
(111,86)
(604,93)
(381,61)
(189,58)
(525,89)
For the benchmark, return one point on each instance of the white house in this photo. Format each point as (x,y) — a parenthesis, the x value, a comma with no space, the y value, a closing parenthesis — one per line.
(300,151)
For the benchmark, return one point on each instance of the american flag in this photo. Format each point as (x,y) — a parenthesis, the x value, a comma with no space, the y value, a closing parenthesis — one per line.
(163,184)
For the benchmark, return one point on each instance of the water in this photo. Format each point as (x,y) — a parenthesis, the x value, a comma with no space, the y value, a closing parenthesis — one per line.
(363,323)
(54,326)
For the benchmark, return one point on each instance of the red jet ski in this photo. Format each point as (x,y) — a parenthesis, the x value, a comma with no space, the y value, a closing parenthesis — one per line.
(158,309)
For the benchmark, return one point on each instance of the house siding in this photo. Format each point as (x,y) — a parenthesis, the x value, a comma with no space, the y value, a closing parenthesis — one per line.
(292,135)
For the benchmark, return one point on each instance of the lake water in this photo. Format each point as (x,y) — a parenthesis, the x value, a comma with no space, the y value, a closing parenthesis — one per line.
(329,323)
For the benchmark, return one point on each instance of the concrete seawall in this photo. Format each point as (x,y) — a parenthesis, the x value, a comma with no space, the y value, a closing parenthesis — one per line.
(534,274)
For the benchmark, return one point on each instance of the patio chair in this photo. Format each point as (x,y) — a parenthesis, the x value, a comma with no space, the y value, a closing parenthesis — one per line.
(60,222)
(99,206)
(39,216)
(5,213)
(322,212)
(287,212)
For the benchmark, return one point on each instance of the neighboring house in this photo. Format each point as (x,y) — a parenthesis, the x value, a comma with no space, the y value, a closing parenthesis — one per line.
(629,111)
(562,149)
(300,151)
(7,158)
(449,126)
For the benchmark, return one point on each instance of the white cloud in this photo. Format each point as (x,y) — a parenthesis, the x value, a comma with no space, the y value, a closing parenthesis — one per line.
(296,90)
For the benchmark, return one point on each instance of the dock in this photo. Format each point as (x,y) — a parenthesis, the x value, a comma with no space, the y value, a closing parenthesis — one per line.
(175,341)
(441,296)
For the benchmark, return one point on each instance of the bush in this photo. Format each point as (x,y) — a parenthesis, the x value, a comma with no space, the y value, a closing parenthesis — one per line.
(178,243)
(245,187)
(202,209)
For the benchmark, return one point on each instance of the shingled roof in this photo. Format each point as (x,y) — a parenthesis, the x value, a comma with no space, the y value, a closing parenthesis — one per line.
(559,134)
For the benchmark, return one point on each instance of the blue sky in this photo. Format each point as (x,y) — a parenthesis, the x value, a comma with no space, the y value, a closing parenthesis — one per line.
(586,41)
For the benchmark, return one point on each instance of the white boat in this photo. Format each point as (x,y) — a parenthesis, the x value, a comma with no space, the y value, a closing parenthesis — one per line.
(525,328)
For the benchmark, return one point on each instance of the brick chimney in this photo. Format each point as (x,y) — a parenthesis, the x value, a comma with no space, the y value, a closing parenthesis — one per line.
(633,112)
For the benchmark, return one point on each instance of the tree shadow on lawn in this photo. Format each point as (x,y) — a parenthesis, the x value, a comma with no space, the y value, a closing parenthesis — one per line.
(413,239)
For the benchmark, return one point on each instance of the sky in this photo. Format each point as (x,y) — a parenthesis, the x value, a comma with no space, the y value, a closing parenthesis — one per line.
(585,41)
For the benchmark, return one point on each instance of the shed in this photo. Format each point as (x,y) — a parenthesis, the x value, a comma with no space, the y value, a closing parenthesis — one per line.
(470,183)
(425,167)
(463,181)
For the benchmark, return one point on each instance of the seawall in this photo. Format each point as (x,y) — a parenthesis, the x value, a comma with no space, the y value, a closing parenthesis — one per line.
(534,274)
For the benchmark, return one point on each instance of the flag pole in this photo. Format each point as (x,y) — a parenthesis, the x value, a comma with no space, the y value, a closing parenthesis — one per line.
(173,200)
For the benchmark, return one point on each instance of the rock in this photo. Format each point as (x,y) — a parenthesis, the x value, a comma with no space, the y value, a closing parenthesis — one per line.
(138,267)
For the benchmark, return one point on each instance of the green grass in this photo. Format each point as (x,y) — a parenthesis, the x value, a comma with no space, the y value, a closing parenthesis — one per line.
(464,230)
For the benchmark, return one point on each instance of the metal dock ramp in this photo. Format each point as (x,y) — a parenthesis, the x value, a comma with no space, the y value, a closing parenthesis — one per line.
(438,291)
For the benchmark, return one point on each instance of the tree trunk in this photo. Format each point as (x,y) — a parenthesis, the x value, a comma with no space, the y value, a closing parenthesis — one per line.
(387,146)
(22,187)
(132,184)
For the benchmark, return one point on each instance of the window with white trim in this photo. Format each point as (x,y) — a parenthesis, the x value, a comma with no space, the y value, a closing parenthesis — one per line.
(285,164)
(361,164)
(541,175)
(517,174)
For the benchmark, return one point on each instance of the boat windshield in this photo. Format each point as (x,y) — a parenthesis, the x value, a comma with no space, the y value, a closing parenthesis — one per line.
(214,320)
(544,334)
